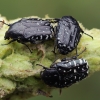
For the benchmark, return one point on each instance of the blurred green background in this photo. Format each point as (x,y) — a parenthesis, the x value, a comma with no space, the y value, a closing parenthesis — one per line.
(85,11)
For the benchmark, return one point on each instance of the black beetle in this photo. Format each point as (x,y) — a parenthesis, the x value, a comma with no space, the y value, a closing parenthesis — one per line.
(73,68)
(67,35)
(65,73)
(31,30)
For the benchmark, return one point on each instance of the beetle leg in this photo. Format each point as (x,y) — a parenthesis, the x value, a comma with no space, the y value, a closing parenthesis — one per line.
(27,47)
(81,52)
(41,66)
(75,57)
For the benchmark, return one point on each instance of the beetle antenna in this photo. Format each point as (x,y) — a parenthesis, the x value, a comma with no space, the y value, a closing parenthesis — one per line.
(41,66)
(5,23)
(86,34)
(89,35)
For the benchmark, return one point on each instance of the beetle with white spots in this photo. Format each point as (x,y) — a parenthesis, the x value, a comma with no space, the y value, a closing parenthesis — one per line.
(31,30)
(65,73)
(67,34)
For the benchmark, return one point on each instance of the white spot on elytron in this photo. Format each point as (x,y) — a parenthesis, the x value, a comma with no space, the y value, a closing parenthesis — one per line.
(46,23)
(58,38)
(84,60)
(82,69)
(75,71)
(50,36)
(75,77)
(71,80)
(87,66)
(67,61)
(59,69)
(64,45)
(64,71)
(65,82)
(46,37)
(69,48)
(41,37)
(37,23)
(87,72)
(79,78)
(74,63)
(78,67)
(80,61)
(59,42)
(70,63)
(32,37)
(70,70)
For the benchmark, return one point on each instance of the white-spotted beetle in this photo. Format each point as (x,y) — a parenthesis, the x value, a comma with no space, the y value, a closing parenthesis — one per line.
(65,73)
(31,30)
(67,34)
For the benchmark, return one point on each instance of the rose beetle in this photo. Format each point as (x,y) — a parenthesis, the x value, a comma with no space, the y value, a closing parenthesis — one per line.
(65,73)
(31,30)
(67,35)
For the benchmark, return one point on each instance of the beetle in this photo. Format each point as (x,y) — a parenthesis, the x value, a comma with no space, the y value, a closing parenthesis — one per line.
(67,35)
(31,30)
(65,73)
(56,74)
